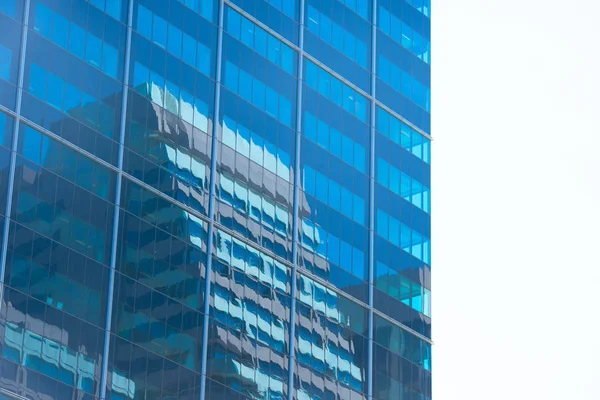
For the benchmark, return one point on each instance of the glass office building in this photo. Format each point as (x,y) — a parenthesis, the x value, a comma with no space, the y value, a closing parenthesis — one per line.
(215,199)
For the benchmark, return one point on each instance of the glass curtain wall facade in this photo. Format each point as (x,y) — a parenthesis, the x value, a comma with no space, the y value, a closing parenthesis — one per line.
(215,199)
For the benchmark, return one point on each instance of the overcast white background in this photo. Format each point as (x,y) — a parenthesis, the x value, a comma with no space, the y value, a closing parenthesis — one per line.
(516,199)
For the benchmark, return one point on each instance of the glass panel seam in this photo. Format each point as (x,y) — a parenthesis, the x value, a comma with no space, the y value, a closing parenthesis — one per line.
(118,184)
(13,151)
(211,199)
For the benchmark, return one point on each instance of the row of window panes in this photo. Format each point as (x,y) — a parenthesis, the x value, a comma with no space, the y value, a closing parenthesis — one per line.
(403,185)
(111,7)
(361,7)
(258,93)
(335,90)
(66,163)
(335,195)
(175,159)
(404,135)
(424,6)
(260,41)
(253,262)
(402,289)
(397,340)
(288,7)
(334,141)
(404,83)
(172,97)
(202,7)
(69,221)
(75,39)
(163,214)
(262,210)
(403,34)
(71,100)
(6,129)
(403,236)
(341,39)
(172,39)
(255,148)
(49,357)
(333,249)
(329,303)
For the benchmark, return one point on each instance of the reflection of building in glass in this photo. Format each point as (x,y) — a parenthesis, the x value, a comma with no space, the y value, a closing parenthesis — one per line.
(238,190)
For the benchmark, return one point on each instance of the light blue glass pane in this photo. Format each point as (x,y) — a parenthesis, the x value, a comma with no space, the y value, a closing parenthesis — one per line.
(285,164)
(243,141)
(337,39)
(285,111)
(31,146)
(310,126)
(348,99)
(247,34)
(270,161)
(109,60)
(406,85)
(359,157)
(55,91)
(189,50)
(337,89)
(324,83)
(289,8)
(347,150)
(175,39)
(359,210)
(382,172)
(361,54)
(382,224)
(258,94)
(203,61)
(323,134)
(234,21)
(287,59)
(274,50)
(358,263)
(77,40)
(349,45)
(346,202)
(313,20)
(231,76)
(8,7)
(312,75)
(394,231)
(113,8)
(322,187)
(257,149)
(60,30)
(335,195)
(246,85)
(333,249)
(186,104)
(335,142)
(394,183)
(206,9)
(406,36)
(346,256)
(144,22)
(309,181)
(93,50)
(260,41)
(272,102)
(43,20)
(72,97)
(360,106)
(5,62)
(159,31)
(325,28)
(228,136)
(140,77)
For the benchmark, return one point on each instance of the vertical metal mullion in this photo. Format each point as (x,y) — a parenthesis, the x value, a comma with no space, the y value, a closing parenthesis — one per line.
(13,151)
(296,206)
(211,200)
(115,230)
(372,197)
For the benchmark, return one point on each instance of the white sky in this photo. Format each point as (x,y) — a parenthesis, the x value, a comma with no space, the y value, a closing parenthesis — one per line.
(516,199)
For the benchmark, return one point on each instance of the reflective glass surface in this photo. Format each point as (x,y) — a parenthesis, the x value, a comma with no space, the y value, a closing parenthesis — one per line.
(212,199)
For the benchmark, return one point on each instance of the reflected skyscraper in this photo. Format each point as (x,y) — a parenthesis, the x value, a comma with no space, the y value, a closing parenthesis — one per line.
(215,199)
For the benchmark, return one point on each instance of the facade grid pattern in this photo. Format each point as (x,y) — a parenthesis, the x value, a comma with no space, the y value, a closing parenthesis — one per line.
(206,199)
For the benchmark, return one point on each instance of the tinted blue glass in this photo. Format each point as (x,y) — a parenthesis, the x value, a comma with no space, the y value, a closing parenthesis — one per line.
(79,132)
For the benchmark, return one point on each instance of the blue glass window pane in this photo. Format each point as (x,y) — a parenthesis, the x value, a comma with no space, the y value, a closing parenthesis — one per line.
(144,22)
(60,30)
(159,31)
(175,39)
(43,20)
(93,50)
(77,40)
